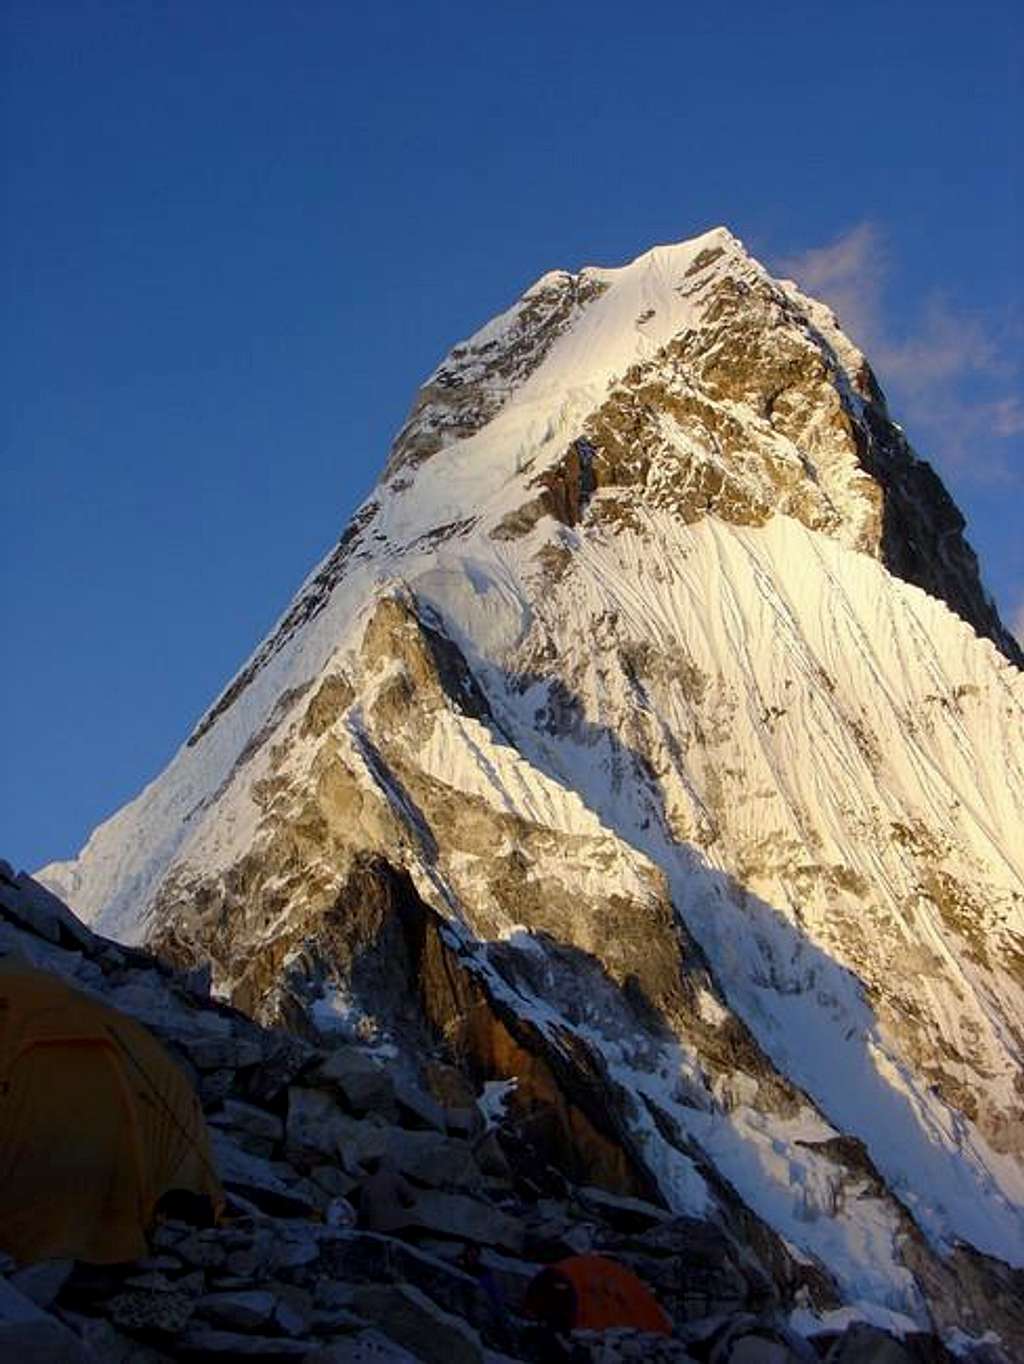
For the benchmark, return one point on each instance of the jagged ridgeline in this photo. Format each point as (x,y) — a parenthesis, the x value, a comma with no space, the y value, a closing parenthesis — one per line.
(648,739)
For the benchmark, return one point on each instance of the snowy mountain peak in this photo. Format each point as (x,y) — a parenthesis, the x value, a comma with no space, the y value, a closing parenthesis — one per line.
(656,669)
(565,340)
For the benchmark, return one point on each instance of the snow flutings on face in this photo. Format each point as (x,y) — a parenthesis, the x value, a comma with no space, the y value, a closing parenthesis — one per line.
(947,373)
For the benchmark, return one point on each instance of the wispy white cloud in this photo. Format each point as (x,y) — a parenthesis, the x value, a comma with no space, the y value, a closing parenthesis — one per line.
(849,275)
(947,373)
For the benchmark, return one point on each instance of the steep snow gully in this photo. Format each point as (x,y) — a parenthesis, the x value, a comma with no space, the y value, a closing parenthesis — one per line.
(657,660)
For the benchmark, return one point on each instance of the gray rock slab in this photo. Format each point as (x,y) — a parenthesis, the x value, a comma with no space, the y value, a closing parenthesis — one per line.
(252,1260)
(362,1082)
(239,1311)
(291,1317)
(621,1212)
(490,1157)
(752,1343)
(864,1344)
(333,1180)
(45,1341)
(40,911)
(317,1125)
(111,1345)
(15,1307)
(417,1108)
(409,1317)
(458,1216)
(622,1345)
(254,1175)
(464,1122)
(284,1058)
(202,1342)
(43,1280)
(224,1053)
(360,1257)
(202,1251)
(152,1278)
(146,996)
(435,1159)
(366,1347)
(333,1321)
(247,1118)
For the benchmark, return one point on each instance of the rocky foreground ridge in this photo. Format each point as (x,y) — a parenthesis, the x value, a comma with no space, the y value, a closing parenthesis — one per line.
(649,737)
(292,1125)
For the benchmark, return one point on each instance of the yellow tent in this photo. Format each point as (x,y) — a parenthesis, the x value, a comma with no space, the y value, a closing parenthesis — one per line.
(96,1123)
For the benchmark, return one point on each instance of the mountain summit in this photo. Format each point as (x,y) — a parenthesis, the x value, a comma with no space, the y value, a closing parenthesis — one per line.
(647,740)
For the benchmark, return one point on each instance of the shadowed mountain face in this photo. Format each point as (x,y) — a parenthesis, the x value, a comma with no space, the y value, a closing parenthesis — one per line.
(656,673)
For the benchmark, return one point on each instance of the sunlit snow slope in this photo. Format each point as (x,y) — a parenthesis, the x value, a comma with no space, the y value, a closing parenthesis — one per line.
(658,660)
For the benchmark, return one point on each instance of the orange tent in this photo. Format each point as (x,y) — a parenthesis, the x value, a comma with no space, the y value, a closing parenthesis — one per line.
(96,1123)
(594,1293)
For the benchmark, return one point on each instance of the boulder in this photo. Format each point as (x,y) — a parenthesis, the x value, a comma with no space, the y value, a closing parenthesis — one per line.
(42,1281)
(417,1108)
(433,1159)
(297,1243)
(206,1342)
(449,1086)
(293,1313)
(33,907)
(620,1345)
(746,1340)
(110,1345)
(145,995)
(30,1336)
(491,1158)
(43,1342)
(257,1179)
(317,1126)
(409,1317)
(249,1255)
(362,1082)
(215,1086)
(231,1052)
(756,1349)
(464,1122)
(285,1057)
(456,1216)
(241,1311)
(623,1213)
(864,1344)
(156,1279)
(332,1321)
(254,1129)
(203,1250)
(362,1257)
(693,1267)
(367,1347)
(334,1182)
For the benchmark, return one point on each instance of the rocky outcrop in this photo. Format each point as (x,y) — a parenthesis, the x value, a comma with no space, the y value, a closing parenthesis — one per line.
(480,376)
(287,1276)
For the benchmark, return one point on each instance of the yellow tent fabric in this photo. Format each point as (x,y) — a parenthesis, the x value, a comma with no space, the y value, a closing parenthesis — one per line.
(96,1123)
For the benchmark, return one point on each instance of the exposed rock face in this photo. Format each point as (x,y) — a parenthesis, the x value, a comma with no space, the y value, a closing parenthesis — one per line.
(648,742)
(479,377)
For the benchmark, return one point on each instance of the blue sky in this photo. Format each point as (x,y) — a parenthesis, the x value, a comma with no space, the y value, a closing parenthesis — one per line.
(237,235)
